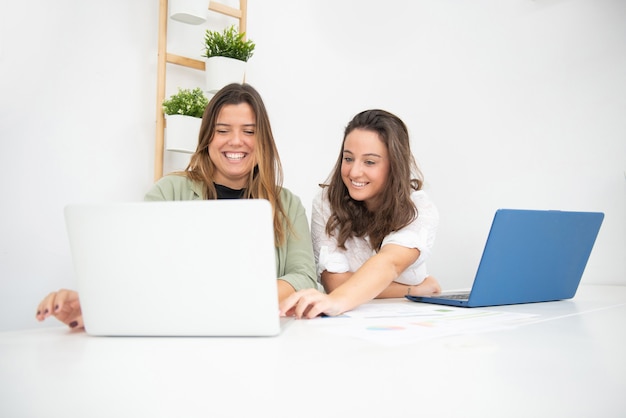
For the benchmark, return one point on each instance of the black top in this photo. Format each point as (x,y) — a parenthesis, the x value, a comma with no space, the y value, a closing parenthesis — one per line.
(224,192)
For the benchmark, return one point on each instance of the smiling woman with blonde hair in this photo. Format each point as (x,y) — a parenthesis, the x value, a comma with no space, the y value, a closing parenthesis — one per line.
(236,158)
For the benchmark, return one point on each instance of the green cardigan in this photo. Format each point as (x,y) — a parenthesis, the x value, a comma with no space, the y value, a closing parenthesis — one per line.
(294,259)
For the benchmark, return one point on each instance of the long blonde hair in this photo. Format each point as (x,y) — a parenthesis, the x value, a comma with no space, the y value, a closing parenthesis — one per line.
(266,179)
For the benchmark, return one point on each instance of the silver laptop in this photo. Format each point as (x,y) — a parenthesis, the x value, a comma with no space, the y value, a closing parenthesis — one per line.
(193,268)
(530,256)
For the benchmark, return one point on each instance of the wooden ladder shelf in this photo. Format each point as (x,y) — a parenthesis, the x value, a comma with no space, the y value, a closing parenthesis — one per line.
(165,58)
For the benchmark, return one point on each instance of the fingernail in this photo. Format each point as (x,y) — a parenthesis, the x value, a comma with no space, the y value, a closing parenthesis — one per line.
(73,324)
(45,312)
(56,308)
(38,312)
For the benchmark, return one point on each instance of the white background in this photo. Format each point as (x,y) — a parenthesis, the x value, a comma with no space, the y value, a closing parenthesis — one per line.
(510,103)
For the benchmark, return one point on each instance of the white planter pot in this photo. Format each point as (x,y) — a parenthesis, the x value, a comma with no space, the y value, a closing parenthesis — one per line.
(181,133)
(220,71)
(193,12)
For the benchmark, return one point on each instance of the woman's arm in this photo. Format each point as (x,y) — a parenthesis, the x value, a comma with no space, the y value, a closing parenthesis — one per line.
(364,285)
(296,263)
(331,281)
(429,286)
(374,276)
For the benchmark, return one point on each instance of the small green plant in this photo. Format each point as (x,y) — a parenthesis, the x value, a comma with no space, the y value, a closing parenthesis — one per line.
(186,102)
(228,43)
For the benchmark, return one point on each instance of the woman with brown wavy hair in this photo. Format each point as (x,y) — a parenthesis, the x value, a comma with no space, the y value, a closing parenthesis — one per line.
(372,225)
(236,158)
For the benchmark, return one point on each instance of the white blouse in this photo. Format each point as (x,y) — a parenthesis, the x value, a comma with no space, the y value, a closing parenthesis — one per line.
(418,234)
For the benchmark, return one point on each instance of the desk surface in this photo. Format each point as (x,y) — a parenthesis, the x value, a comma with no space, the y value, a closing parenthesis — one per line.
(568,362)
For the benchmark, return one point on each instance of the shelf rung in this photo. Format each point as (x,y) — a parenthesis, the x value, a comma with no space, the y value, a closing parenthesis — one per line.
(185,62)
(225,10)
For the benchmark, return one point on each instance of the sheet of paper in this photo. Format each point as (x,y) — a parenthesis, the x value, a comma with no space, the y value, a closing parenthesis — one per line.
(405,323)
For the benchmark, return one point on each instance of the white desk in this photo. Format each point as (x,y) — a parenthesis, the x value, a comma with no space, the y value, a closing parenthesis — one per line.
(569,363)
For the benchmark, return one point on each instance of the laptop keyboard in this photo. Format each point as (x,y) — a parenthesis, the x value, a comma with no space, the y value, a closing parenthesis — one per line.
(456,296)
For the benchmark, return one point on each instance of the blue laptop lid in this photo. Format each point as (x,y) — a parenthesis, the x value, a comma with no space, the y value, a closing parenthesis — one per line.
(534,256)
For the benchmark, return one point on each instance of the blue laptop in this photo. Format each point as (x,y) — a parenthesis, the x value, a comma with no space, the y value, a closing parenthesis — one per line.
(530,256)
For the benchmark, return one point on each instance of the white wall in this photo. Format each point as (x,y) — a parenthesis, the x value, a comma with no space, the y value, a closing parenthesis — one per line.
(515,103)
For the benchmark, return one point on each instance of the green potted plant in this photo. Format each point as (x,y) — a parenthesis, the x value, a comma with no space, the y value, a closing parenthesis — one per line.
(183,117)
(226,53)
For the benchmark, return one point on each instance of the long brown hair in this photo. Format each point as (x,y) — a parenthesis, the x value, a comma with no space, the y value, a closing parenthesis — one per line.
(266,179)
(351,218)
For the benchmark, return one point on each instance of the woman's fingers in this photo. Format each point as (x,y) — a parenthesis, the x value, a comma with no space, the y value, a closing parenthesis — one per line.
(307,303)
(46,306)
(64,305)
